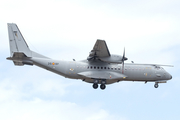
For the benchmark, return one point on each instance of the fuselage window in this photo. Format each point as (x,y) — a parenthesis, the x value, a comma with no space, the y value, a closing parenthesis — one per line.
(101,67)
(104,67)
(111,68)
(115,68)
(88,67)
(91,67)
(97,67)
(94,67)
(108,68)
(119,69)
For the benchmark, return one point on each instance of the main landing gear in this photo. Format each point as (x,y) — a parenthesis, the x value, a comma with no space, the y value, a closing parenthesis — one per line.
(156,85)
(95,85)
(102,86)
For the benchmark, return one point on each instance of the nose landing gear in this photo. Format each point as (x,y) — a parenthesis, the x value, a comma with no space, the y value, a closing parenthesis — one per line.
(156,85)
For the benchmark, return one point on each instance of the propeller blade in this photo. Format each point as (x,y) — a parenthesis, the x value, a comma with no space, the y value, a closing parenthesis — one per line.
(123,67)
(124,54)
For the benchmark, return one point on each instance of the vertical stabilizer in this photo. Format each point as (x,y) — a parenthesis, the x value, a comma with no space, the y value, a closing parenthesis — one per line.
(16,41)
(19,50)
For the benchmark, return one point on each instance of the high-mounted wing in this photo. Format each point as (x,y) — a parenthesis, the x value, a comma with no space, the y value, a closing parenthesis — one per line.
(100,49)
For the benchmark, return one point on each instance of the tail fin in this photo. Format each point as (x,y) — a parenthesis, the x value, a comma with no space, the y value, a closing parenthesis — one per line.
(16,41)
(19,50)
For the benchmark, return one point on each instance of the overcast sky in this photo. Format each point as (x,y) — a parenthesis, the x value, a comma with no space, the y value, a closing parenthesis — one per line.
(61,29)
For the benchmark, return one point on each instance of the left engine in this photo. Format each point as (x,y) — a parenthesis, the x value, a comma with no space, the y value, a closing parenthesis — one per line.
(113,59)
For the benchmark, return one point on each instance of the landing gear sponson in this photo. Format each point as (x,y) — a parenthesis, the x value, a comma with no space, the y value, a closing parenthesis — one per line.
(102,86)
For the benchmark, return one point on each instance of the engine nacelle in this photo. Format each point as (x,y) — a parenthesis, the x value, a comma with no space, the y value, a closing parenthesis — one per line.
(113,59)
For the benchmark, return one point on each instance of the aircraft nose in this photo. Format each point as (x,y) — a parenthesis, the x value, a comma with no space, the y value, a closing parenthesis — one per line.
(169,77)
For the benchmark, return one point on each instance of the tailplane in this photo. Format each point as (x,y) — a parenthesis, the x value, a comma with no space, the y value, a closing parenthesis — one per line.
(20,59)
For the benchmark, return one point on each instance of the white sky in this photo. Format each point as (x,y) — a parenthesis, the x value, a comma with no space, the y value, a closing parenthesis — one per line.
(149,30)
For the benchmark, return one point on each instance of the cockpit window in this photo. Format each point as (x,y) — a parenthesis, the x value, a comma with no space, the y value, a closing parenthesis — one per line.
(157,67)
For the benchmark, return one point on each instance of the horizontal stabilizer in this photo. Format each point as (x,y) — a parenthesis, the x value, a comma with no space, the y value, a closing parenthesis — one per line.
(20,59)
(17,56)
(18,63)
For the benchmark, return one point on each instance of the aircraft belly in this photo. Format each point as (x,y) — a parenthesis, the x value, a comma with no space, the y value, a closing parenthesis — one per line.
(88,80)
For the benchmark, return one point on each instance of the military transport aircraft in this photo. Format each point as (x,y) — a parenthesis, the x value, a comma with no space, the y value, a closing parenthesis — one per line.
(100,67)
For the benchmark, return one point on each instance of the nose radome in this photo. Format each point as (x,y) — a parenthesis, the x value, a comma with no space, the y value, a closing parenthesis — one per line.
(170,76)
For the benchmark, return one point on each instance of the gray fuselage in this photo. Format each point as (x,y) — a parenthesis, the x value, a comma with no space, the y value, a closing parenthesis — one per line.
(69,69)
